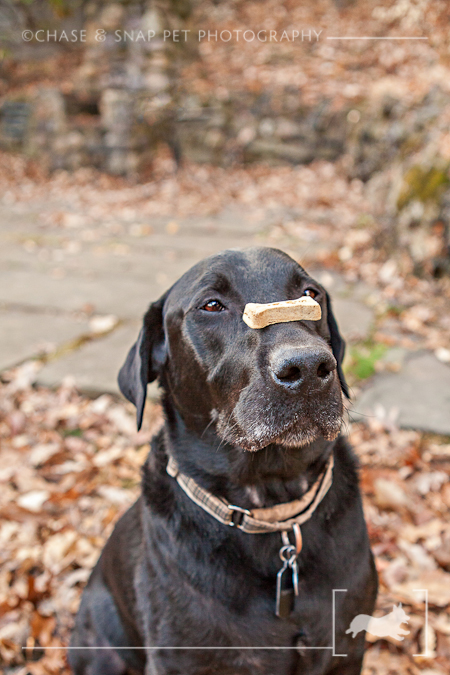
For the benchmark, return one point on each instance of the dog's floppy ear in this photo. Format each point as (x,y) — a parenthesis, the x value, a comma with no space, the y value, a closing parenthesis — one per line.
(144,359)
(337,345)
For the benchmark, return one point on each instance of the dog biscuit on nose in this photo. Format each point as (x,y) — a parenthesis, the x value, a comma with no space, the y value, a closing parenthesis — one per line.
(302,309)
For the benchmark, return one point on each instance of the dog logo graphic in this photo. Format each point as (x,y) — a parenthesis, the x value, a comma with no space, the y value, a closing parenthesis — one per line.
(384,626)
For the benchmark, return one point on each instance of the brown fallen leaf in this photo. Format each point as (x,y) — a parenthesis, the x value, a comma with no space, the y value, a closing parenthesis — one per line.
(382,662)
(436,582)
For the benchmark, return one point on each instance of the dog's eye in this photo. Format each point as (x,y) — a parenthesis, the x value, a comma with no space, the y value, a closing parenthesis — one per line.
(310,292)
(213,306)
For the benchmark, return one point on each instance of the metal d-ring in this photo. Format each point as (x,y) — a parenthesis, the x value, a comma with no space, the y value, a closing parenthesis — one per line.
(241,513)
(298,538)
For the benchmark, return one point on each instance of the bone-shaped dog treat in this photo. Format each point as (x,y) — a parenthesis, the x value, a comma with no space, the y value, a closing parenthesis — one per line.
(301,309)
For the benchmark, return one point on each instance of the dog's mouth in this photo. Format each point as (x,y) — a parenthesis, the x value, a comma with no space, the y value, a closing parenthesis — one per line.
(292,437)
(299,430)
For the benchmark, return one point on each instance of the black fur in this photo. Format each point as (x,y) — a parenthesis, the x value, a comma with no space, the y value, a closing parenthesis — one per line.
(251,415)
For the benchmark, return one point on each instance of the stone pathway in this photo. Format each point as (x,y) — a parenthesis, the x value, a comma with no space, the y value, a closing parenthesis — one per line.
(75,291)
(416,397)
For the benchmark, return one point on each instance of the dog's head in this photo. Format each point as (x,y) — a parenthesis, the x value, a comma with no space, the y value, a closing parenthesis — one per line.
(281,384)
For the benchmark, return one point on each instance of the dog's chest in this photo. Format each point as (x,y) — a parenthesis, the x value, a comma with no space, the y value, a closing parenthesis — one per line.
(240,639)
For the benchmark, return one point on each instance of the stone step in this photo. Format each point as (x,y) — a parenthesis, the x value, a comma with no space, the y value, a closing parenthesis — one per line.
(27,334)
(95,366)
(417,397)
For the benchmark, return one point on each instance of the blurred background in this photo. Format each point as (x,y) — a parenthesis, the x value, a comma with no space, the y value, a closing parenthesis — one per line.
(137,138)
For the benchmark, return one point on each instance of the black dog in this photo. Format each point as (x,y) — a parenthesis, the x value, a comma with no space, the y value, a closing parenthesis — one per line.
(253,417)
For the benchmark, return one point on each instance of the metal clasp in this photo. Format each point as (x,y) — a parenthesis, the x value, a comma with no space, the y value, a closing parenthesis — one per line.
(240,517)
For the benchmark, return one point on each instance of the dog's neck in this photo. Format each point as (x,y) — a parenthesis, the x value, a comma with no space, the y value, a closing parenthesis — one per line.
(273,475)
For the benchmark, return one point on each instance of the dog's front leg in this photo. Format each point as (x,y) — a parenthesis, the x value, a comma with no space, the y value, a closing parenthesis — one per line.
(347,666)
(312,663)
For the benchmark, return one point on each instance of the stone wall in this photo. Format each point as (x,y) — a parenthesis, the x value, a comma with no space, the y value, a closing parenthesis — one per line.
(127,97)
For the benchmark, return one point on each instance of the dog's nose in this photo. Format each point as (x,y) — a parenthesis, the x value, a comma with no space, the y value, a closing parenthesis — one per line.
(295,368)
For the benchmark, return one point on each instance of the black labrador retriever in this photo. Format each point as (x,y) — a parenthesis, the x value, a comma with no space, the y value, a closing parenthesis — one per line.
(252,418)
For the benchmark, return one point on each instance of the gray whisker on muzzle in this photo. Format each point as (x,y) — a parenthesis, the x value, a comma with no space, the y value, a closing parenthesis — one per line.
(207,427)
(227,430)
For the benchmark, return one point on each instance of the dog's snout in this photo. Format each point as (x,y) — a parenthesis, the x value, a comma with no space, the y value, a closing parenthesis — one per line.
(293,368)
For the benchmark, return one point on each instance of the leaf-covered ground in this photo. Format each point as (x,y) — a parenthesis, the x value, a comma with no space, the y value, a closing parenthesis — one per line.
(69,466)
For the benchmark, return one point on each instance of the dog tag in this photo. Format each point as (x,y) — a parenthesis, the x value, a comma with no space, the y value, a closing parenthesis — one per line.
(285,592)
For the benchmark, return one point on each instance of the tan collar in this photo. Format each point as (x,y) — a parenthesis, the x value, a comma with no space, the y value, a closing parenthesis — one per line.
(279,518)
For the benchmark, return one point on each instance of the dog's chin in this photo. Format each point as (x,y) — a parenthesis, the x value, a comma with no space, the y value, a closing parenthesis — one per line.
(290,440)
(293,436)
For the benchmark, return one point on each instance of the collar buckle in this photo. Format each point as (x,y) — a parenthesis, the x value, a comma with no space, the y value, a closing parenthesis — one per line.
(237,515)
